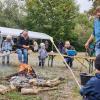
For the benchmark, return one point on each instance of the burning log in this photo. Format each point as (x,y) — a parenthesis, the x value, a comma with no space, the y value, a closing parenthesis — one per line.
(24,70)
(46,83)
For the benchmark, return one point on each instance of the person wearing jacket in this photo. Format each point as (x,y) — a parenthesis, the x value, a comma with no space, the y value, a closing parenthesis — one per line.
(68,46)
(22,47)
(6,48)
(42,54)
(91,91)
(96,33)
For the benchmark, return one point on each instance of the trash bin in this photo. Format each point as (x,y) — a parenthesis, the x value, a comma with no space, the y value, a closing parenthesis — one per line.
(84,77)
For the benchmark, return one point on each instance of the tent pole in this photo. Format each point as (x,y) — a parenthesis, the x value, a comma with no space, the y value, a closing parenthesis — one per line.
(0,40)
(66,63)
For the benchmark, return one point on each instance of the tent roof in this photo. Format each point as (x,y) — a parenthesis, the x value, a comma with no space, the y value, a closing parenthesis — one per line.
(16,32)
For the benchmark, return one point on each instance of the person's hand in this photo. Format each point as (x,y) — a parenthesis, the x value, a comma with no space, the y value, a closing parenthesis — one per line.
(26,47)
(87,45)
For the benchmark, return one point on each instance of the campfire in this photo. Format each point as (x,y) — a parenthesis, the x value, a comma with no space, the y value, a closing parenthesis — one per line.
(27,82)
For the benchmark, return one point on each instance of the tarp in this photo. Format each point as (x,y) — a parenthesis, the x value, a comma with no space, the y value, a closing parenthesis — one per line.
(16,32)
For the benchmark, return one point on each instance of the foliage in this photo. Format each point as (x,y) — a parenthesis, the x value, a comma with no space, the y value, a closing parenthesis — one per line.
(95,4)
(54,17)
(84,27)
(10,15)
(58,18)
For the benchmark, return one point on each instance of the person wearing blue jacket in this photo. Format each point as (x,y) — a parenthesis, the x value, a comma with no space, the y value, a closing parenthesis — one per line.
(91,91)
(96,33)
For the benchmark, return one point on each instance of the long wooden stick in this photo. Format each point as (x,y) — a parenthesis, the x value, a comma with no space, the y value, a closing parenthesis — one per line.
(66,63)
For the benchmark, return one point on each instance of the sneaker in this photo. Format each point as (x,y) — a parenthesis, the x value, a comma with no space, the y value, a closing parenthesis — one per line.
(3,62)
(7,62)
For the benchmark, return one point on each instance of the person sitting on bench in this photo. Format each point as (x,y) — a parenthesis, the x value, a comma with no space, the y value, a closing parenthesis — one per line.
(91,91)
(67,49)
(7,48)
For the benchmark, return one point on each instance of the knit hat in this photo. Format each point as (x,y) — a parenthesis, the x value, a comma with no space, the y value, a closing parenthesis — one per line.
(97,62)
(9,37)
(42,44)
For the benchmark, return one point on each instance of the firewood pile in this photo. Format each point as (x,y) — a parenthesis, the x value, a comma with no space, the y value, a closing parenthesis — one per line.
(27,82)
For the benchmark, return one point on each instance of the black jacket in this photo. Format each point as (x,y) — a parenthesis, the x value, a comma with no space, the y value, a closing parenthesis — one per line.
(22,41)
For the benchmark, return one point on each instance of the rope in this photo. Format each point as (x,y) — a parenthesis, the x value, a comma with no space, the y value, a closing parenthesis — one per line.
(66,63)
(81,62)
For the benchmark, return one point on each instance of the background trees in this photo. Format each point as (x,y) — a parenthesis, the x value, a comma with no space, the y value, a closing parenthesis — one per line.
(10,14)
(95,4)
(58,18)
(54,17)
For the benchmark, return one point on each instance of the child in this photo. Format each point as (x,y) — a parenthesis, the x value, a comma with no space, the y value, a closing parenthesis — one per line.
(7,48)
(68,46)
(42,54)
(91,91)
(35,46)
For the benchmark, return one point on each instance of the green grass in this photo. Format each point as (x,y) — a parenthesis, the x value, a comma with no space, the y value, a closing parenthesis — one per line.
(18,96)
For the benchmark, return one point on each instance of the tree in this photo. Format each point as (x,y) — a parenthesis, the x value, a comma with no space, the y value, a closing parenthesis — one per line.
(54,17)
(95,4)
(84,27)
(10,15)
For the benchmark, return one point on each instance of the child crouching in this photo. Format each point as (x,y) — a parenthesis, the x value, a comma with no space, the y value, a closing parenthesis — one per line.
(42,54)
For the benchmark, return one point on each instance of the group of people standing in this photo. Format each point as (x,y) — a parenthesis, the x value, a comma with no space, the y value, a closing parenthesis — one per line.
(23,45)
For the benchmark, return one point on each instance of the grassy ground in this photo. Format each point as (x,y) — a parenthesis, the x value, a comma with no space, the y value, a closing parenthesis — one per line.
(66,91)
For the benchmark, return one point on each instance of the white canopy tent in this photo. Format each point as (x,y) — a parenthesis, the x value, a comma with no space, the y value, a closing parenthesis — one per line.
(16,32)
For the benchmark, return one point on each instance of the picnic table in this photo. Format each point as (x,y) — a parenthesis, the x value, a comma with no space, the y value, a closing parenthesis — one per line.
(90,60)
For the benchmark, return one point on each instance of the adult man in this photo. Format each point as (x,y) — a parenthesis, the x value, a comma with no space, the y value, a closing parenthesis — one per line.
(23,46)
(96,33)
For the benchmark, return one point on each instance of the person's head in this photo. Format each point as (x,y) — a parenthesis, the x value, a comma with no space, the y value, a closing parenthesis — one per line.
(98,11)
(97,63)
(67,44)
(25,33)
(9,38)
(42,45)
(35,43)
(21,34)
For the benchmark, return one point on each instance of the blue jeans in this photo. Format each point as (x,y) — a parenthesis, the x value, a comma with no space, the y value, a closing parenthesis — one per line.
(22,55)
(69,61)
(97,49)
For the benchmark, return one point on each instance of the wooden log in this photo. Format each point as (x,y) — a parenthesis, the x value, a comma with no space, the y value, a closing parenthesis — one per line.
(53,83)
(36,90)
(14,74)
(4,89)
(47,83)
(18,73)
(26,91)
